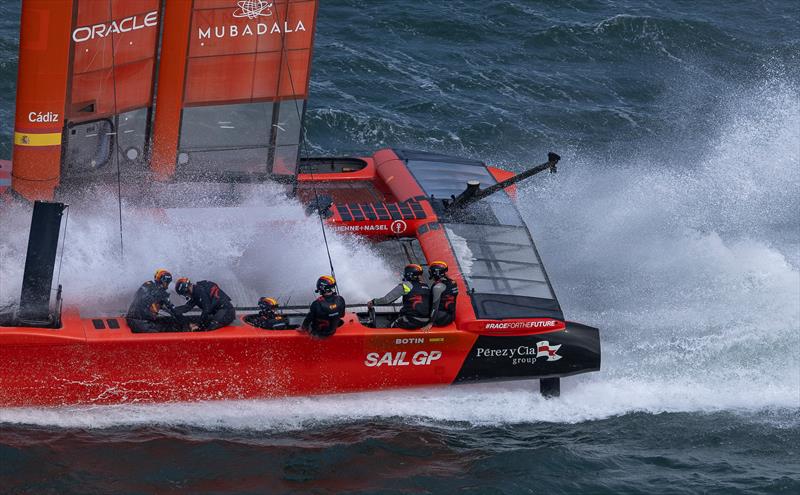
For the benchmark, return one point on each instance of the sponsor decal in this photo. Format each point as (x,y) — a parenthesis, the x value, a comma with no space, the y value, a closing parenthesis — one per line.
(132,23)
(253,9)
(258,29)
(438,339)
(544,349)
(518,325)
(42,117)
(420,358)
(411,340)
(361,228)
(523,354)
(399,226)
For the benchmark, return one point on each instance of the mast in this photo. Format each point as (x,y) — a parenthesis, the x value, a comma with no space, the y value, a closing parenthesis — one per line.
(41,95)
(84,91)
(172,78)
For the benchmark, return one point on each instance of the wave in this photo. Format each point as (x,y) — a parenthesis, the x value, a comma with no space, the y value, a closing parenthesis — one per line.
(229,245)
(690,270)
(672,224)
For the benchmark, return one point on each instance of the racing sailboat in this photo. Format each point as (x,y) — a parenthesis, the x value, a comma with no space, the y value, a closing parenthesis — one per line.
(162,92)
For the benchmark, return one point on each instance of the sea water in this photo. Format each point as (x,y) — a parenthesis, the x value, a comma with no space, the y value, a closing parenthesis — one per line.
(672,225)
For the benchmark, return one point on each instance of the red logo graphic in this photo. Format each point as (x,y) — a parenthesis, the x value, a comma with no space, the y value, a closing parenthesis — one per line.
(544,349)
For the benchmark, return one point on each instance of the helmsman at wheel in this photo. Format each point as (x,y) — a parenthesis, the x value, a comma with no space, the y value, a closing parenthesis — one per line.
(416,295)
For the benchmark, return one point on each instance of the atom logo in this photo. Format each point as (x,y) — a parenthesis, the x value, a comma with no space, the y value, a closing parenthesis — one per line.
(253,8)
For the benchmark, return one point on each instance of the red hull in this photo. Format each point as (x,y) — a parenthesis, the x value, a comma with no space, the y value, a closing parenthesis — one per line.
(80,364)
(84,364)
(495,335)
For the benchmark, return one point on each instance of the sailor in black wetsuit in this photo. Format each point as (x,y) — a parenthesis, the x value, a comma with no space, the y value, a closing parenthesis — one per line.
(151,298)
(268,317)
(215,306)
(443,295)
(416,294)
(326,313)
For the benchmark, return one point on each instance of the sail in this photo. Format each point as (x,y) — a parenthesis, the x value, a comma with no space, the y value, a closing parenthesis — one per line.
(135,87)
(110,90)
(246,83)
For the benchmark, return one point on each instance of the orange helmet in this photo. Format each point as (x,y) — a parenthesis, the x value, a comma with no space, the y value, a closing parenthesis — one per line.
(162,277)
(326,284)
(182,286)
(437,269)
(267,304)
(412,272)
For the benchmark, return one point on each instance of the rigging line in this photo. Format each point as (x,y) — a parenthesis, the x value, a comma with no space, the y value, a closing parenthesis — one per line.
(114,150)
(119,208)
(303,144)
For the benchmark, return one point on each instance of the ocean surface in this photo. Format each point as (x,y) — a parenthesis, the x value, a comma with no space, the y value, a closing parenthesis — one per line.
(672,225)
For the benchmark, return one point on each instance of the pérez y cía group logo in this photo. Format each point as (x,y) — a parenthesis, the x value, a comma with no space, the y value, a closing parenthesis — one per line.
(523,354)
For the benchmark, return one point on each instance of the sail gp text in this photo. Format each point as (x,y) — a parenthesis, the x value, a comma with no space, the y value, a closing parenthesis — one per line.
(420,358)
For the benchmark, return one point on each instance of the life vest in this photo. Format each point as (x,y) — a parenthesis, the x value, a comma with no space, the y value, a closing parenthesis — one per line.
(416,300)
(327,314)
(216,296)
(447,301)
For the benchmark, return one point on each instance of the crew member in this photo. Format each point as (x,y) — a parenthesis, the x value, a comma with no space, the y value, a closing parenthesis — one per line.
(215,306)
(268,317)
(416,294)
(443,295)
(326,313)
(151,298)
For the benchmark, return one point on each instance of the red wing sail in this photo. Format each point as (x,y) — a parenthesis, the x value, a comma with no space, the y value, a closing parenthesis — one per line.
(185,86)
(110,92)
(244,86)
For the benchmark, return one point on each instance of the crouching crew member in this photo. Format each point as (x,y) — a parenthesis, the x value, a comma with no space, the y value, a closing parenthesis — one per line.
(151,298)
(443,295)
(268,317)
(215,306)
(416,294)
(326,313)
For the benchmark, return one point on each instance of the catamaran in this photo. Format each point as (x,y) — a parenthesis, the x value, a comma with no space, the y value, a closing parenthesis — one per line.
(152,94)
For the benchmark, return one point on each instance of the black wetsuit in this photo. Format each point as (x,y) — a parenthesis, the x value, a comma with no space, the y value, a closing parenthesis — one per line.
(143,314)
(325,315)
(443,301)
(216,307)
(269,320)
(416,309)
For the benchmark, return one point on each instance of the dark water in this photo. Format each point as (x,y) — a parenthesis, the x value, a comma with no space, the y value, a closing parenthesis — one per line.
(672,225)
